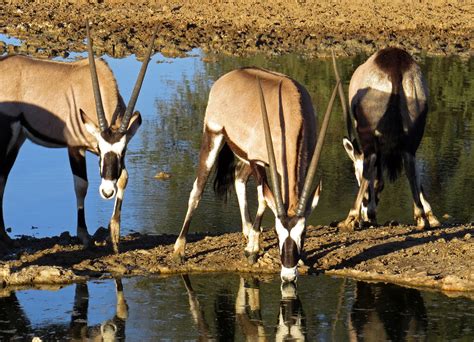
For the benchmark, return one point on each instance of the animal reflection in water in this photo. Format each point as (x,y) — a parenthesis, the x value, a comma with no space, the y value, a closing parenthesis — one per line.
(290,324)
(14,321)
(387,313)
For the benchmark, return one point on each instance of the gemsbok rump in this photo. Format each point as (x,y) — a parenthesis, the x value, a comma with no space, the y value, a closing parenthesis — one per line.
(388,97)
(55,104)
(240,136)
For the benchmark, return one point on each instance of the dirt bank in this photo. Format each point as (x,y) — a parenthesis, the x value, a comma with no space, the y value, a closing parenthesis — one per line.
(440,258)
(306,27)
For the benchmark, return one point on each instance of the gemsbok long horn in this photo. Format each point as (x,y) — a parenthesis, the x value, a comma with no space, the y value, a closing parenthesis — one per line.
(300,210)
(348,115)
(138,84)
(281,212)
(95,83)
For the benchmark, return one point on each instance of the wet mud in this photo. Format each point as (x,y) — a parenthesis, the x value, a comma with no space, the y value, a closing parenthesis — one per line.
(306,27)
(439,259)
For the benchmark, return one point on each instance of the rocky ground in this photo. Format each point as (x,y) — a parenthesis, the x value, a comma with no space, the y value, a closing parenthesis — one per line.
(440,258)
(307,27)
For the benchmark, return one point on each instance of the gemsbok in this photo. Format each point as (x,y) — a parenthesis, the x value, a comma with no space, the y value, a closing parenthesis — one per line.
(388,99)
(52,104)
(243,139)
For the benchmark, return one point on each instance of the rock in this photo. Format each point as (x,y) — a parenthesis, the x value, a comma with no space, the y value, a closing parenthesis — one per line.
(162,175)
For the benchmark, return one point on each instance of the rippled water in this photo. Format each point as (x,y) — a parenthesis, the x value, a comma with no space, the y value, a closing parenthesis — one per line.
(40,192)
(236,308)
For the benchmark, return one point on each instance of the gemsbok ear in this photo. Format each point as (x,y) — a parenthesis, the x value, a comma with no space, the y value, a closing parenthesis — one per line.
(91,127)
(349,148)
(314,198)
(135,122)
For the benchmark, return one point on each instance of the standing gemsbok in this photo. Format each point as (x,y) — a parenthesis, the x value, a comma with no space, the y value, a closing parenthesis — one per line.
(52,104)
(388,98)
(242,143)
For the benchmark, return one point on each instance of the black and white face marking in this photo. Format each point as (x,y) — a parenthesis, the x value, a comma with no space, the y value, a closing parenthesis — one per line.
(290,240)
(111,155)
(112,147)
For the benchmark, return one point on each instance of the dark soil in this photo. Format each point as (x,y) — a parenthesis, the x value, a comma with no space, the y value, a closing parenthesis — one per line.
(440,258)
(306,27)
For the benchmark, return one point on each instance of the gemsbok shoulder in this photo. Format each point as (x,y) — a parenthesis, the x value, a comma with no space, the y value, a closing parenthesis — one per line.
(388,98)
(55,104)
(243,138)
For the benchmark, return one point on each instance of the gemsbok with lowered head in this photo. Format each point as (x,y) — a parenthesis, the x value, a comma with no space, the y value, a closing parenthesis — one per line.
(243,137)
(388,99)
(55,104)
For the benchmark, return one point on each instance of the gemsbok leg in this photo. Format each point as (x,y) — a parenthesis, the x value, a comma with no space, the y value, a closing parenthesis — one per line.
(242,174)
(423,214)
(11,139)
(355,216)
(77,160)
(114,225)
(210,147)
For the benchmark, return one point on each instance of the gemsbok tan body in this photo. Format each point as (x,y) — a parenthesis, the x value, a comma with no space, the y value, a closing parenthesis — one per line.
(257,118)
(55,104)
(388,97)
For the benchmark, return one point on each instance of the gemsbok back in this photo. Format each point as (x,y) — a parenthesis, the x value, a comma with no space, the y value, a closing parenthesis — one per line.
(242,138)
(55,104)
(388,98)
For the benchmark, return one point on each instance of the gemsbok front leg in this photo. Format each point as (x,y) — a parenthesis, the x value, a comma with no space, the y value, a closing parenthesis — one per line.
(423,214)
(77,160)
(114,225)
(11,140)
(210,147)
(355,216)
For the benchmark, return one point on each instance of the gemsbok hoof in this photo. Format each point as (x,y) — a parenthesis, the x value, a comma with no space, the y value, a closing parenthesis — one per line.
(251,257)
(348,225)
(178,258)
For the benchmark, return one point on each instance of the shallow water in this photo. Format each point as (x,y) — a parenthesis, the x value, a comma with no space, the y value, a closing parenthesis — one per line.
(40,201)
(237,308)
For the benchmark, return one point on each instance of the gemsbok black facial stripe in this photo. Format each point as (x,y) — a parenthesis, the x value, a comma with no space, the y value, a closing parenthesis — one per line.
(110,166)
(289,253)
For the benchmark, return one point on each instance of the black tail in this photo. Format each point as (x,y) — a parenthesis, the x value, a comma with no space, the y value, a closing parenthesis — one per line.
(390,143)
(225,172)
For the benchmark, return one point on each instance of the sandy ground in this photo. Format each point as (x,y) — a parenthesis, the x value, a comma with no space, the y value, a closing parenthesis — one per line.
(440,258)
(307,27)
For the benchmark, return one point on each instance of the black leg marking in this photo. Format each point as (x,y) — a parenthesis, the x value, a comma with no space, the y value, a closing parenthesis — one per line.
(77,162)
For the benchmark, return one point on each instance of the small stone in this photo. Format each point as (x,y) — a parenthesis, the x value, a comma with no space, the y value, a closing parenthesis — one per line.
(467,236)
(162,175)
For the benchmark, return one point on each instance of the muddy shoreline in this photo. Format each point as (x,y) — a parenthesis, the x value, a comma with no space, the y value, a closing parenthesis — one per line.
(306,27)
(438,259)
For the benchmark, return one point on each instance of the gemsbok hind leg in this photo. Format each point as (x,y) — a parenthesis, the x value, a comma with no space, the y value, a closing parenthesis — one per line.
(242,174)
(210,147)
(423,214)
(11,139)
(77,161)
(253,241)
